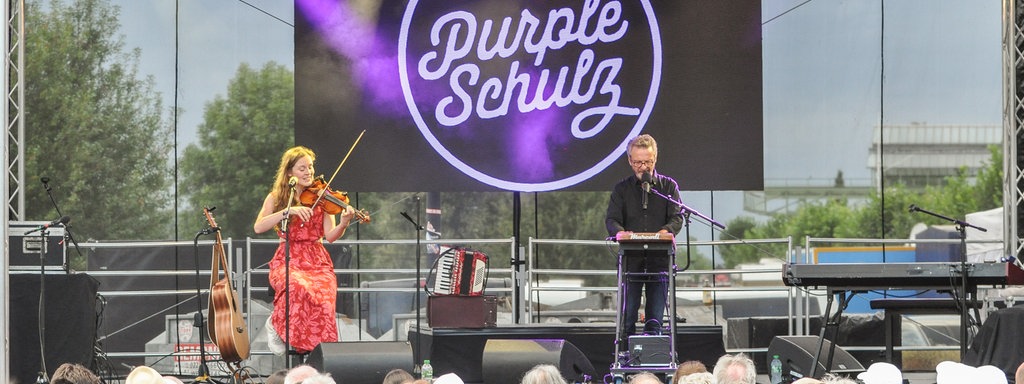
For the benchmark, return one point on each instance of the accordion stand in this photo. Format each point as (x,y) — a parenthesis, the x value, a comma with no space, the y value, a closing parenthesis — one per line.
(457,299)
(661,349)
(419,276)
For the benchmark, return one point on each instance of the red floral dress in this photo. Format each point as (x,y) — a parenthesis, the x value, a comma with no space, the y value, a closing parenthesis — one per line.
(313,286)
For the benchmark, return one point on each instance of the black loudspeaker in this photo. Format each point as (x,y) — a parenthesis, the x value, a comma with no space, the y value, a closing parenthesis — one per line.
(506,361)
(70,322)
(797,353)
(361,362)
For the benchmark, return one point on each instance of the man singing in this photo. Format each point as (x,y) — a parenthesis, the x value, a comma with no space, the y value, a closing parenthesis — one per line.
(634,207)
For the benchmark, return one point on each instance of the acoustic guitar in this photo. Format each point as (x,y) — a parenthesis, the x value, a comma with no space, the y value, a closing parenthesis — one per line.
(229,331)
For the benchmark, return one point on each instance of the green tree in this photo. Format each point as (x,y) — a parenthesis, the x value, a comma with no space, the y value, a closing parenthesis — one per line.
(882,216)
(868,221)
(240,143)
(989,185)
(742,228)
(93,126)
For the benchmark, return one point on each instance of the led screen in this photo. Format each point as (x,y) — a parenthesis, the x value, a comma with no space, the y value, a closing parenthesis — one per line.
(528,95)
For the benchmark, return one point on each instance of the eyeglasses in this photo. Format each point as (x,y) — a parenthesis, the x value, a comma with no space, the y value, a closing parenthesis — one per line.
(641,163)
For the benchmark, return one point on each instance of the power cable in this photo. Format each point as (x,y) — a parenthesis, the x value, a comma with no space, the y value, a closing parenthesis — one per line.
(783,13)
(270,14)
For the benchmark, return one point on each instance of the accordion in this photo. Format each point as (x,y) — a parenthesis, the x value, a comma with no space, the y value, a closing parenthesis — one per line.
(459,272)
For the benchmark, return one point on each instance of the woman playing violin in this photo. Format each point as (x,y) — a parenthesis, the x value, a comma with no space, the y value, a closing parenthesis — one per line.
(312,296)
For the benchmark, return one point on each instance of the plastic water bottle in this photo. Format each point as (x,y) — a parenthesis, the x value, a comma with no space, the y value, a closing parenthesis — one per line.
(427,371)
(706,297)
(776,370)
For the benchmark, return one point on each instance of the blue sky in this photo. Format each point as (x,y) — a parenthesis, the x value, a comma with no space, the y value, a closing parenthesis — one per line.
(823,65)
(214,38)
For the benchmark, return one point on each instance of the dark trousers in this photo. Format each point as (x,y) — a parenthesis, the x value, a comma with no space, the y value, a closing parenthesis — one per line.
(655,289)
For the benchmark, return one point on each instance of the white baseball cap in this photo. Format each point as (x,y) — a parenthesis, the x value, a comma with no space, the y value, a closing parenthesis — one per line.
(881,373)
(144,375)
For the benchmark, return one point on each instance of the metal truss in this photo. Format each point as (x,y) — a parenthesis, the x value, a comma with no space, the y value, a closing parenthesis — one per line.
(15,77)
(1013,122)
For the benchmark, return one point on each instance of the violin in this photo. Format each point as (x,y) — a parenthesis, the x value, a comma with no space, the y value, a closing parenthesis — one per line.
(332,202)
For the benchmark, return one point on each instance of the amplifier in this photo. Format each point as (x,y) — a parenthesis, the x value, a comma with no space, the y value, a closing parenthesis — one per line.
(25,249)
(452,311)
(646,351)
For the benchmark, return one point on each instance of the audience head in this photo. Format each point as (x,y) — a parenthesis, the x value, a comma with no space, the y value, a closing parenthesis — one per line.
(697,378)
(688,367)
(738,369)
(448,378)
(948,372)
(320,378)
(881,373)
(836,379)
(69,373)
(144,375)
(644,378)
(1019,377)
(277,377)
(398,376)
(299,373)
(543,374)
(808,380)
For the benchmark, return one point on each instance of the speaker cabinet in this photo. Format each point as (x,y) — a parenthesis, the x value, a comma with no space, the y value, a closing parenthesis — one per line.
(506,361)
(797,353)
(361,362)
(648,351)
(461,311)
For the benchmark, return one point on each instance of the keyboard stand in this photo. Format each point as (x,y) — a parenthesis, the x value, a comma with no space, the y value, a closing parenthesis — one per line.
(846,294)
(831,326)
(623,363)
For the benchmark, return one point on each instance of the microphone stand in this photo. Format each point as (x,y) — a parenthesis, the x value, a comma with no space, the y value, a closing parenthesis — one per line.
(203,376)
(289,351)
(965,273)
(419,272)
(67,227)
(686,211)
(43,375)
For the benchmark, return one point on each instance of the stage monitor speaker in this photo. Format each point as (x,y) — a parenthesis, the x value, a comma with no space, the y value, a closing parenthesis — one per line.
(361,362)
(798,352)
(506,361)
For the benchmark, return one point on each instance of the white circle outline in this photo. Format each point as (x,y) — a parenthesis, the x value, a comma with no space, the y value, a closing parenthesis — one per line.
(517,186)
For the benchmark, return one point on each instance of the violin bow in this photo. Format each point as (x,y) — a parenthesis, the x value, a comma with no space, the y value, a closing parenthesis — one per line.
(322,193)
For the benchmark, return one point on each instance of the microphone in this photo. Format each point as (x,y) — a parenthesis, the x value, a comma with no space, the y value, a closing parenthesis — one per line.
(292,181)
(913,208)
(646,185)
(46,183)
(61,221)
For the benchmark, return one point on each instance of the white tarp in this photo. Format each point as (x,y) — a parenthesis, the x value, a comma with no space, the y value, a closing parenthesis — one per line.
(992,249)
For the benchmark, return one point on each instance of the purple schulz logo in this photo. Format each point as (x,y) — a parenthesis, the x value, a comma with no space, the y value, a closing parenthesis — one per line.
(529,95)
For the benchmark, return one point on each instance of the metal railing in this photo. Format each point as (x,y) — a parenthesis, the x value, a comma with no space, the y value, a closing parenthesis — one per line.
(535,283)
(687,286)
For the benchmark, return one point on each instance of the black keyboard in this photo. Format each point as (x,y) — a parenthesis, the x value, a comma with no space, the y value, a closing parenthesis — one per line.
(892,275)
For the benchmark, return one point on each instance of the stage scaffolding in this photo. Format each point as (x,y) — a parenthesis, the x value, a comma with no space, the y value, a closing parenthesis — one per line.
(1013,125)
